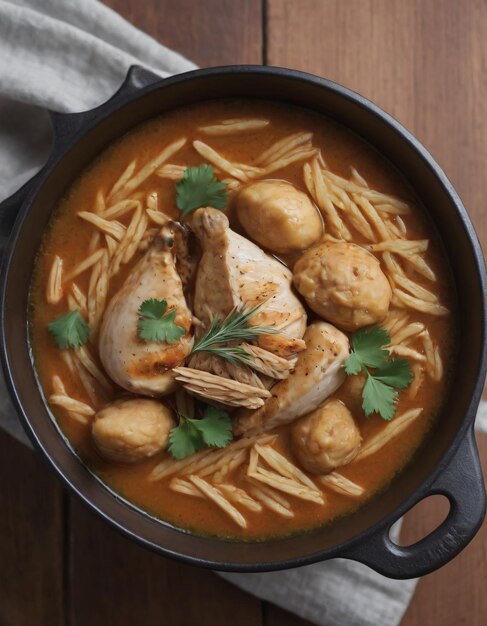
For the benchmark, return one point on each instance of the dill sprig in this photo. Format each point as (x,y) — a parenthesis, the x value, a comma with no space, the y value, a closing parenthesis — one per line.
(234,328)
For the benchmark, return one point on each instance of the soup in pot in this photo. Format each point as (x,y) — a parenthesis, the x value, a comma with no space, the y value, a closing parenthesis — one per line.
(242,320)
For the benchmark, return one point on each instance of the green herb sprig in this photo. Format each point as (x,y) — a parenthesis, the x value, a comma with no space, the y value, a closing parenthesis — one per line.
(234,328)
(383,377)
(213,429)
(199,188)
(70,330)
(156,323)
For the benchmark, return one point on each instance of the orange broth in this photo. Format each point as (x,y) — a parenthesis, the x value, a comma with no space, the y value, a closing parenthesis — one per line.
(68,236)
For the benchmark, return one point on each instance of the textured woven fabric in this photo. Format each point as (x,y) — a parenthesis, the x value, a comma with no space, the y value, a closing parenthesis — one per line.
(71,55)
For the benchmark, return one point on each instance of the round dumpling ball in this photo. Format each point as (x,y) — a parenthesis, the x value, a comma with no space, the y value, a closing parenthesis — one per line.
(344,284)
(326,439)
(132,430)
(278,216)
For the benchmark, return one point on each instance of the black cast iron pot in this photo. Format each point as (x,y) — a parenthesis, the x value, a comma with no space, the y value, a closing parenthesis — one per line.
(448,464)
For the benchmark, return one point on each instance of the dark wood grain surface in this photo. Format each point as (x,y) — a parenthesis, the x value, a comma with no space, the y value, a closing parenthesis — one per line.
(423,61)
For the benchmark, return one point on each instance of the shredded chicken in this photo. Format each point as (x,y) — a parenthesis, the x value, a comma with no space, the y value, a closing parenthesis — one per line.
(220,389)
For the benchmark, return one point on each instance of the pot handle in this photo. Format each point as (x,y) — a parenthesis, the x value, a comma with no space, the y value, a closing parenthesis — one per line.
(462,483)
(65,128)
(66,125)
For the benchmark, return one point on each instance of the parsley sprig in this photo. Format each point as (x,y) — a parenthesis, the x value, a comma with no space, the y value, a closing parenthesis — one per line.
(192,434)
(70,330)
(199,188)
(383,377)
(156,323)
(234,328)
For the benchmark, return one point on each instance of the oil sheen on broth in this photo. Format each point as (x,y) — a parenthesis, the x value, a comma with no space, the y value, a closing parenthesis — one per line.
(361,199)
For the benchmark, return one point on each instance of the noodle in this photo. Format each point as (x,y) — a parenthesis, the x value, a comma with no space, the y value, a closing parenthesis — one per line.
(58,385)
(148,169)
(54,290)
(357,178)
(153,201)
(391,430)
(267,497)
(88,362)
(357,220)
(173,172)
(224,463)
(337,482)
(279,463)
(219,162)
(283,147)
(400,247)
(228,127)
(84,265)
(414,288)
(158,217)
(183,486)
(92,285)
(373,217)
(240,497)
(286,485)
(112,228)
(79,297)
(420,266)
(132,246)
(418,378)
(213,494)
(118,257)
(71,404)
(420,305)
(407,352)
(282,162)
(124,178)
(101,291)
(332,219)
(94,242)
(409,331)
(119,209)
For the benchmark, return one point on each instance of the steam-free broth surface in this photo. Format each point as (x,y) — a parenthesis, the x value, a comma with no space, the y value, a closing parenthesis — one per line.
(71,238)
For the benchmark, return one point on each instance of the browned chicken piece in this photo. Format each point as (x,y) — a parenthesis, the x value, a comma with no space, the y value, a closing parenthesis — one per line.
(344,284)
(136,365)
(318,373)
(132,430)
(278,216)
(234,272)
(326,439)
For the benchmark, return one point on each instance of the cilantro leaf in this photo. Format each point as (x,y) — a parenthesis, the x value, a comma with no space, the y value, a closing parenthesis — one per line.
(368,347)
(353,365)
(213,429)
(153,309)
(70,330)
(396,373)
(155,324)
(185,439)
(379,392)
(377,397)
(198,188)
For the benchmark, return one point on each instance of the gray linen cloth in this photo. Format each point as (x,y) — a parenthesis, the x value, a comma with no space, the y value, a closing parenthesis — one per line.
(71,56)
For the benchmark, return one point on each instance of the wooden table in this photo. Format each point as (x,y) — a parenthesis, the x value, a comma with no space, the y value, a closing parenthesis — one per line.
(424,61)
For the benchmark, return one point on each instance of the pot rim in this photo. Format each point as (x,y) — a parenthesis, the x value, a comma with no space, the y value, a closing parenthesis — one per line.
(103,112)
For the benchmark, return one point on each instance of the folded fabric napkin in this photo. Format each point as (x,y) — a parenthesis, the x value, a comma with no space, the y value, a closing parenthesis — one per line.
(66,55)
